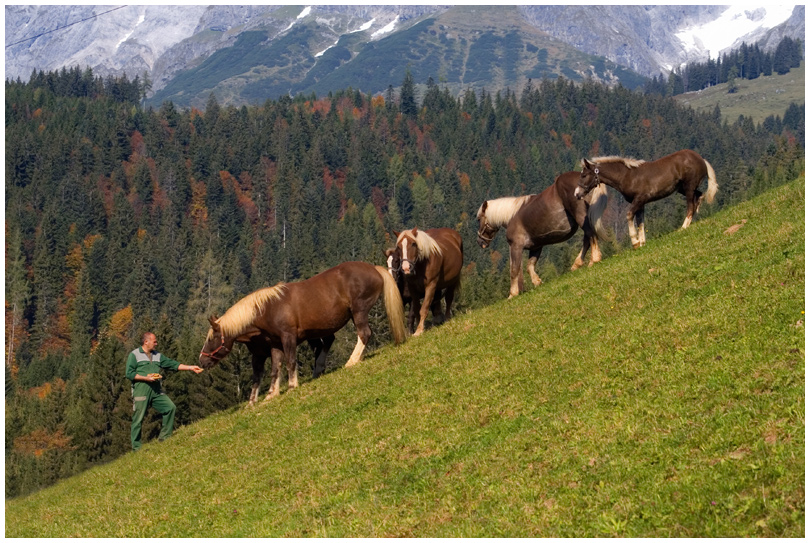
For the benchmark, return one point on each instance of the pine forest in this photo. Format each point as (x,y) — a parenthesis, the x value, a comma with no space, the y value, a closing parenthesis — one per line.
(122,219)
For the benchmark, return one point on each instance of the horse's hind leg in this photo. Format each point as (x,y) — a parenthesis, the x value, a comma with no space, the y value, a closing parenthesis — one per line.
(321,347)
(449,296)
(692,206)
(436,308)
(360,319)
(531,265)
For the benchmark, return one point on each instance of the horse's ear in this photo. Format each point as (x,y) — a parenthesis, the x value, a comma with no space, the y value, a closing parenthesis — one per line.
(586,165)
(396,234)
(213,321)
(414,231)
(484,206)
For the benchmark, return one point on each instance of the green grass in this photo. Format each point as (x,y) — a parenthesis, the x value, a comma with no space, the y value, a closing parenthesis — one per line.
(756,98)
(659,393)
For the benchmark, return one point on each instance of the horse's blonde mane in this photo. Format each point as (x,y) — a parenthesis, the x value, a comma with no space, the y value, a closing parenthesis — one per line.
(501,210)
(242,314)
(425,244)
(629,162)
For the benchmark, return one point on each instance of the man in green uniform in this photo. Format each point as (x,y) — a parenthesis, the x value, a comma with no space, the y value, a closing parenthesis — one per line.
(143,367)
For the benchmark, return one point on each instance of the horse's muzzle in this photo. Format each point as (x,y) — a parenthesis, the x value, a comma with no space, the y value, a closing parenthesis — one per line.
(579,193)
(483,243)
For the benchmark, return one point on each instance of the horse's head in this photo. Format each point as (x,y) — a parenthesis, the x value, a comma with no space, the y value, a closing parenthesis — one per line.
(588,179)
(486,232)
(216,346)
(394,260)
(408,250)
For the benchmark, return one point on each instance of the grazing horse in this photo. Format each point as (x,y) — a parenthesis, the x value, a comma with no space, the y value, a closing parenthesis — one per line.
(642,182)
(273,321)
(431,261)
(537,220)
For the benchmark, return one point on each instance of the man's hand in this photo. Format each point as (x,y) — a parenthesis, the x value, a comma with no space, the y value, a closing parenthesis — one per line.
(195,369)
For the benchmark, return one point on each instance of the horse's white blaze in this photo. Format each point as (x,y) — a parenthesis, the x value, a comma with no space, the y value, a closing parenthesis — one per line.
(406,266)
(357,354)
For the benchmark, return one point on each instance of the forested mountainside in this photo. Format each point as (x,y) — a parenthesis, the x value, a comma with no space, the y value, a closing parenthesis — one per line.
(121,219)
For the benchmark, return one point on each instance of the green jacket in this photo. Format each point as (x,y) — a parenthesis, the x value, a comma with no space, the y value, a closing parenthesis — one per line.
(138,363)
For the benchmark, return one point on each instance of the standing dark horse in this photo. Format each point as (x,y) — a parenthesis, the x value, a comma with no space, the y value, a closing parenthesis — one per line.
(393,258)
(273,321)
(431,261)
(641,182)
(537,220)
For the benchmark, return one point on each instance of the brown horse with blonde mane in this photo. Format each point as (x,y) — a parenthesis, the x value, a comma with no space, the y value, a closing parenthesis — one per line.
(273,321)
(431,262)
(642,182)
(537,220)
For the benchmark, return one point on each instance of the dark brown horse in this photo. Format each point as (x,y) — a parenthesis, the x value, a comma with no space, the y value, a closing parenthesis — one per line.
(642,182)
(273,321)
(537,220)
(431,262)
(393,258)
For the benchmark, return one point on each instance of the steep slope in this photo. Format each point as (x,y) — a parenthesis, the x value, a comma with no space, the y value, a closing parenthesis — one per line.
(660,393)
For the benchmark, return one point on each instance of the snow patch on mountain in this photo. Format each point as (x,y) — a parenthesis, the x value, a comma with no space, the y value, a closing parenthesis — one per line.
(141,19)
(736,23)
(387,28)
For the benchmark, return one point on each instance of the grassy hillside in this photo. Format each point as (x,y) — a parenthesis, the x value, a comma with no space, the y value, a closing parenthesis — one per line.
(660,393)
(756,98)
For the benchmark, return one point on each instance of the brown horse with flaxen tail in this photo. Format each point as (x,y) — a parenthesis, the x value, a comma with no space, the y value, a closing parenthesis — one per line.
(273,321)
(431,262)
(642,182)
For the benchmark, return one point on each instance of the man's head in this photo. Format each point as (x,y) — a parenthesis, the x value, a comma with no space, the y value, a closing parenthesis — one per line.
(148,341)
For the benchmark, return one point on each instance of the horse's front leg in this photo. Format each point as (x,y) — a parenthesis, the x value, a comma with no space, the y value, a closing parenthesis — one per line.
(515,271)
(430,290)
(415,308)
(642,232)
(596,253)
(276,356)
(631,226)
(258,372)
(531,266)
(290,348)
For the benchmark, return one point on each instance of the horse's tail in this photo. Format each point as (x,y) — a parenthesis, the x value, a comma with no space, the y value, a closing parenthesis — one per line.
(394,307)
(599,201)
(712,190)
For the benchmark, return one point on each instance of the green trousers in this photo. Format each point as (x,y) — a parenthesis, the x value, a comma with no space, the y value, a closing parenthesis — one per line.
(141,402)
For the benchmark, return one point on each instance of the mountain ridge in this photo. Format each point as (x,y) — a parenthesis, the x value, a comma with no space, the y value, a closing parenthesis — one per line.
(605,43)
